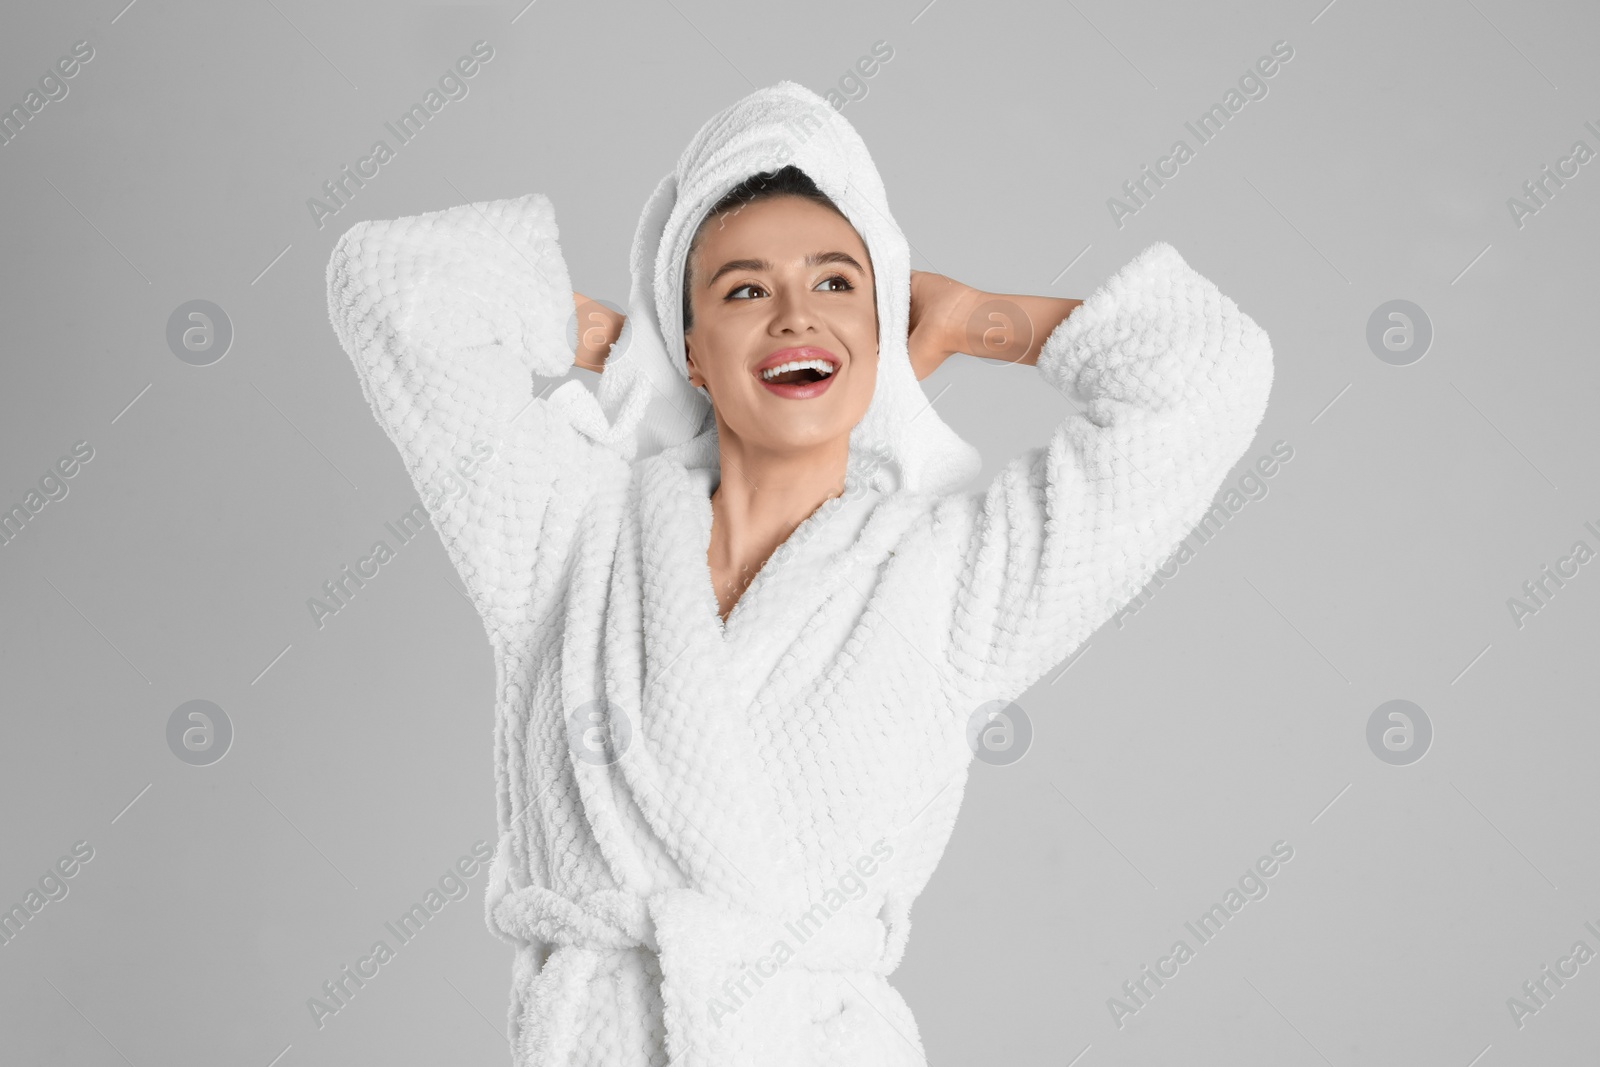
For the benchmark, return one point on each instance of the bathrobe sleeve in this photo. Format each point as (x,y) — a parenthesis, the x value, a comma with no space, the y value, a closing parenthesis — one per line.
(1168,381)
(447,316)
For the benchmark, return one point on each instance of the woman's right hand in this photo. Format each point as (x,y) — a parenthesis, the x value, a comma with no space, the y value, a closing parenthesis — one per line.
(598,329)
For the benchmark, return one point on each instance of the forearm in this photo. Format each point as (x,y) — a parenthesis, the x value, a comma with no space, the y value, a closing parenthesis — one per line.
(1007,327)
(598,329)
(949,317)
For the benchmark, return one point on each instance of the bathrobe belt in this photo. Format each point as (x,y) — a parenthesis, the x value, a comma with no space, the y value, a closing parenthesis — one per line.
(714,955)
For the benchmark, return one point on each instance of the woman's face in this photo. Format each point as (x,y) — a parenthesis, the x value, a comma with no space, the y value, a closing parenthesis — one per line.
(783,280)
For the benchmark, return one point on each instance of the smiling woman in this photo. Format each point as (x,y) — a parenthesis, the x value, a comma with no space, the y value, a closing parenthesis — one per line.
(688,761)
(780,305)
(781,333)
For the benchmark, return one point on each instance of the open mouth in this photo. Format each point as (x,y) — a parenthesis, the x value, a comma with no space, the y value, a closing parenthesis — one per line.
(798,373)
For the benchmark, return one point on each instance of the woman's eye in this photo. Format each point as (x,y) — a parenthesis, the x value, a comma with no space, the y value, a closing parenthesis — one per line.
(733,294)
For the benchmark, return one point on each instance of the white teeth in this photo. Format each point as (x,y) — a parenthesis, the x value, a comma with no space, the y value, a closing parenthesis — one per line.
(821,366)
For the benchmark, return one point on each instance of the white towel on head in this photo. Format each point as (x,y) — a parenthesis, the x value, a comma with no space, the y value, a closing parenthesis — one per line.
(901,443)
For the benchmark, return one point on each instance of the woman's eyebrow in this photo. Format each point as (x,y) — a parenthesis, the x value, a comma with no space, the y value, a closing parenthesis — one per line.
(813,260)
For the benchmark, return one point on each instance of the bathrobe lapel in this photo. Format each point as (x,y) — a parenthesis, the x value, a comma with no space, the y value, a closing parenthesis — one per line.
(680,684)
(692,767)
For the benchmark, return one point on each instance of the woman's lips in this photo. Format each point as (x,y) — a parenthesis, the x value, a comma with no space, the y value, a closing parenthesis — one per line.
(798,390)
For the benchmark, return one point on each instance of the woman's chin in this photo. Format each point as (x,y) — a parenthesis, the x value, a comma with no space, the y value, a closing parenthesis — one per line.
(793,432)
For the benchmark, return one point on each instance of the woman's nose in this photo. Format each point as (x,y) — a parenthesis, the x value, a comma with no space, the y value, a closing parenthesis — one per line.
(792,312)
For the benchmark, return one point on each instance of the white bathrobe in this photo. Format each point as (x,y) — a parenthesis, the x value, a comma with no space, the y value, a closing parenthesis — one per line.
(711,833)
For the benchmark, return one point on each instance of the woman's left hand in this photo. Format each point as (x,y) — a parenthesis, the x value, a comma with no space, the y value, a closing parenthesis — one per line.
(939,306)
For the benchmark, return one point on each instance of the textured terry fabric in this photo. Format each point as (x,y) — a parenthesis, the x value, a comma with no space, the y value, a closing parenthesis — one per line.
(754,763)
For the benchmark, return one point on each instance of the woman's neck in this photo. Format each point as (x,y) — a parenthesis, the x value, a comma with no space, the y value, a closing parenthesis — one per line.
(760,499)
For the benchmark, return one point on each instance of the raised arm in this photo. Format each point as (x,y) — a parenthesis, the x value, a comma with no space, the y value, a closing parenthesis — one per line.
(447,317)
(1168,380)
(948,317)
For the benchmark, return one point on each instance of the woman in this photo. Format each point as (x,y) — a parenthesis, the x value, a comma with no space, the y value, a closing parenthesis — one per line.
(719,794)
(792,379)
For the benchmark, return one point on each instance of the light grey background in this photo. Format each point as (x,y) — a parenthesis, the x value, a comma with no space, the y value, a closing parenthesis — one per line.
(1228,714)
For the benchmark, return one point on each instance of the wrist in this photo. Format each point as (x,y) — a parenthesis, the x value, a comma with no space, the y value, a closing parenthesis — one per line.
(961,324)
(598,328)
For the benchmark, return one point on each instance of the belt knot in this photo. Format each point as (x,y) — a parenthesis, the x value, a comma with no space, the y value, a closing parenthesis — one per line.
(695,924)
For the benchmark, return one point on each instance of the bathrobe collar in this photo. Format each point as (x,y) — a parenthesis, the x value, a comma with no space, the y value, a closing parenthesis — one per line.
(703,677)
